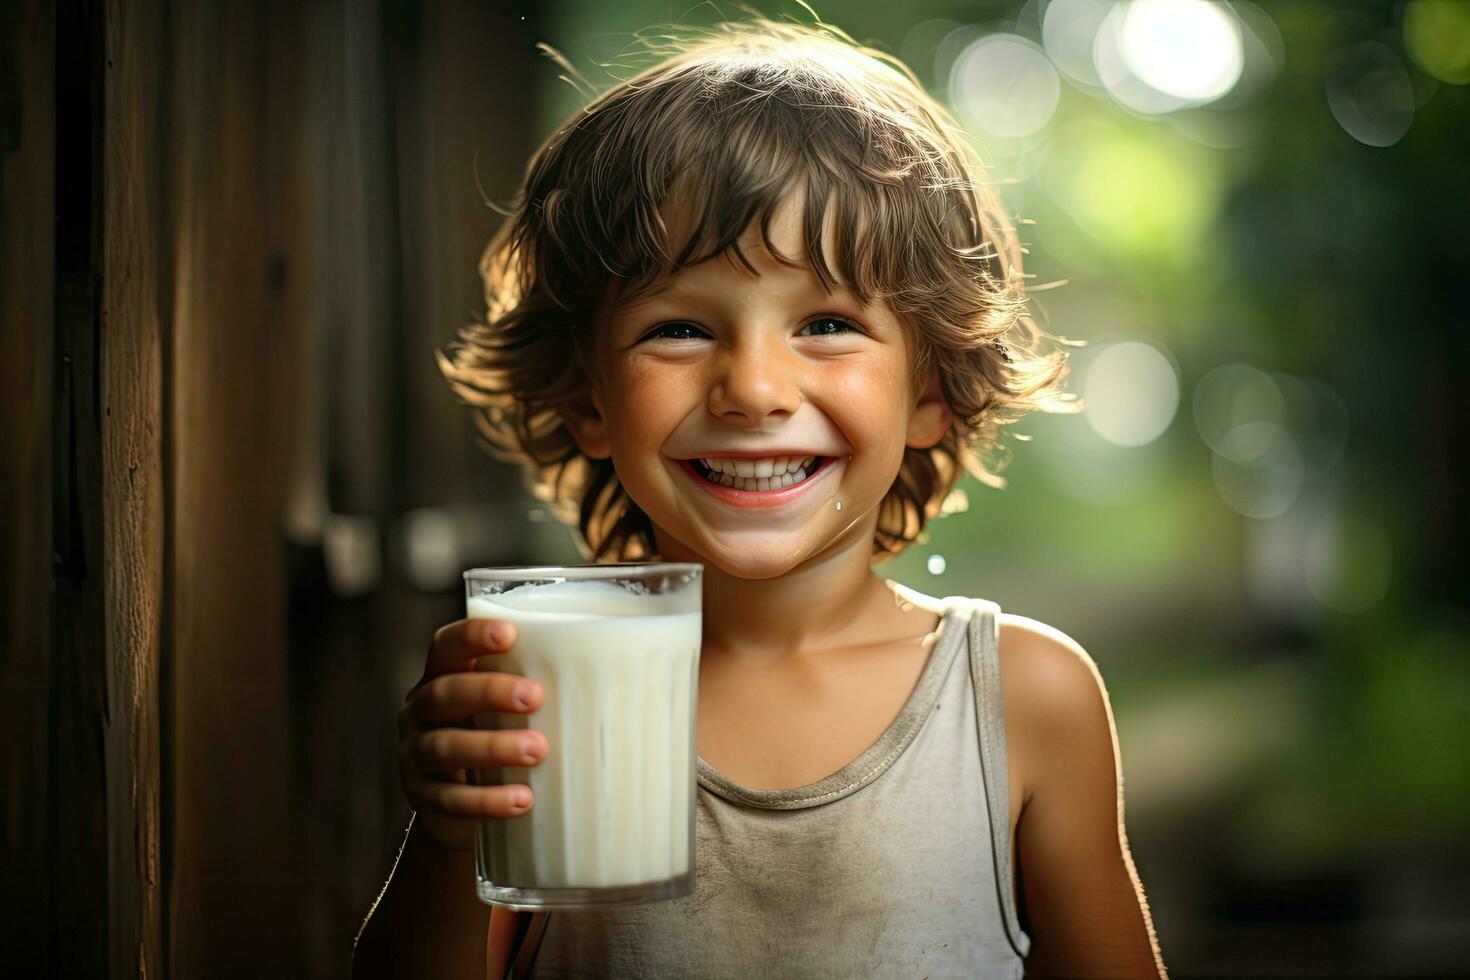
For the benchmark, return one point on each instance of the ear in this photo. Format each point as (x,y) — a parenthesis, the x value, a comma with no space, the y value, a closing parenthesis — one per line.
(583,418)
(930,419)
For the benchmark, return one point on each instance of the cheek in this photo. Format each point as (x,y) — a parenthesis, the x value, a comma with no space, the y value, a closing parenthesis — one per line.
(647,404)
(869,405)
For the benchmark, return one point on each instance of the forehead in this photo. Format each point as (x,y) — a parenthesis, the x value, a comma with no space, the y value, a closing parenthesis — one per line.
(780,253)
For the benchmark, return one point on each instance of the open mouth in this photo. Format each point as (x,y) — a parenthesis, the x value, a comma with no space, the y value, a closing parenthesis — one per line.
(759,475)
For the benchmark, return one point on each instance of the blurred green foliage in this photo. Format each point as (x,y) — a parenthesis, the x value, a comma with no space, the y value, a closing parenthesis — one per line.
(1259,232)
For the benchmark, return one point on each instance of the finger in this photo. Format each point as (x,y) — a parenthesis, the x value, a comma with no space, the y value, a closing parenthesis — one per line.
(469,802)
(457,645)
(454,697)
(444,750)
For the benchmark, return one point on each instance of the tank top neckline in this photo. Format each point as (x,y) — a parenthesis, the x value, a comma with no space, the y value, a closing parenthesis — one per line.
(874,760)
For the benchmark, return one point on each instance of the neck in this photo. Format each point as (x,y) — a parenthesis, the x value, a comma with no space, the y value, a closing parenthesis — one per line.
(822,601)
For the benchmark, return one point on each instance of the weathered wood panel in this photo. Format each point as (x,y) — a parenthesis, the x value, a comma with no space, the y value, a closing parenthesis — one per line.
(404,102)
(78,861)
(133,335)
(165,811)
(27,257)
(231,910)
(463,128)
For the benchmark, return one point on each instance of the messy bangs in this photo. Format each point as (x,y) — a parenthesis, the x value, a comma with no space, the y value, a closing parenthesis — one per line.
(669,169)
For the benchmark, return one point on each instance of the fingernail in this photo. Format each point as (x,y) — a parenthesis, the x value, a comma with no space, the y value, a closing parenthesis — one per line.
(528,749)
(525,690)
(521,800)
(497,635)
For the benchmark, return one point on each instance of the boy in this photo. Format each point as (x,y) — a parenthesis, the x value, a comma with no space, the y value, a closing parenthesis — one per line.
(756,310)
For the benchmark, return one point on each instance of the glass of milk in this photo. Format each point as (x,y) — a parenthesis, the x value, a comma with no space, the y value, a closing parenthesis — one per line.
(616,650)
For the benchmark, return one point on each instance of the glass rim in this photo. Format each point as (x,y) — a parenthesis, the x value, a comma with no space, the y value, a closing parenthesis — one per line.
(507,573)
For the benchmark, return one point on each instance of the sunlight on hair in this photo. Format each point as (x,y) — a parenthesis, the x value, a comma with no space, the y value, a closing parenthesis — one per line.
(956,502)
(1132,393)
(728,116)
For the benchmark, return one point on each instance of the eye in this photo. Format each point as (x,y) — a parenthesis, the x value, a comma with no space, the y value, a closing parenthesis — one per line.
(829,326)
(674,331)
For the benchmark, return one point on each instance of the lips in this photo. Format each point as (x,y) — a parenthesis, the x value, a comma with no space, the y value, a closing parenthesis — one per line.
(753,498)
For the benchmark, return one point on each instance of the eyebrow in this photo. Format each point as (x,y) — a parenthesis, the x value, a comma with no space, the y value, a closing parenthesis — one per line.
(679,292)
(665,291)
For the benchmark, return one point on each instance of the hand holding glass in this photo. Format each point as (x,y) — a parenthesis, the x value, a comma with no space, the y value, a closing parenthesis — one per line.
(616,650)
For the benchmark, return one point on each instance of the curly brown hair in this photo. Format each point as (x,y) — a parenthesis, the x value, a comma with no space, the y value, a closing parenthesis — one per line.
(729,122)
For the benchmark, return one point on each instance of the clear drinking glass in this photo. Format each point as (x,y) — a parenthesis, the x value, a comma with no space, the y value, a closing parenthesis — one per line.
(616,649)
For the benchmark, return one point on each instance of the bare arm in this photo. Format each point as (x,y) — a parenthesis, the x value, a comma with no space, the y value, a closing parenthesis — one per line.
(1084,902)
(428,922)
(421,921)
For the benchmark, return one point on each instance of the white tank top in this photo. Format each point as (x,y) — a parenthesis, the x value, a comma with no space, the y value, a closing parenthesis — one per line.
(898,864)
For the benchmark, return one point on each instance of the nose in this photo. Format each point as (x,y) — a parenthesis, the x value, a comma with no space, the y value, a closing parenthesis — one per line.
(755,380)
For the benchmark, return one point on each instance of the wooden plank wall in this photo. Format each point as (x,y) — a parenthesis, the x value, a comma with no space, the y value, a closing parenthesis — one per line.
(405,104)
(232,236)
(234,280)
(134,332)
(27,284)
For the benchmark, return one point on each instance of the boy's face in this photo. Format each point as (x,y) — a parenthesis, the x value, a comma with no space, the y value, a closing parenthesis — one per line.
(723,363)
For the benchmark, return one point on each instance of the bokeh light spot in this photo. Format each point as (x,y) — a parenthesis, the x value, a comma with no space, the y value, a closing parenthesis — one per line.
(1133,193)
(920,46)
(1186,48)
(1348,564)
(1132,393)
(1264,488)
(1157,56)
(1437,37)
(1239,412)
(1004,85)
(1370,95)
(1069,31)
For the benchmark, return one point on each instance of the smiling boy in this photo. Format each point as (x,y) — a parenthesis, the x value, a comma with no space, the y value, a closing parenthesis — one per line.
(755,311)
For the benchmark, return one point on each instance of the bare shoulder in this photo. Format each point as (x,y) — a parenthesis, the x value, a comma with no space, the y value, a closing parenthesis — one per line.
(1050,685)
(1085,907)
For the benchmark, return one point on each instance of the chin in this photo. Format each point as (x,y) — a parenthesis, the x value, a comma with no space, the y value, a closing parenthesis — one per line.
(750,561)
(754,563)
(752,568)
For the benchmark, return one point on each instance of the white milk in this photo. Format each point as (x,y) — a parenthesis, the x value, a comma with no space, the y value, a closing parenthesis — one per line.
(614,796)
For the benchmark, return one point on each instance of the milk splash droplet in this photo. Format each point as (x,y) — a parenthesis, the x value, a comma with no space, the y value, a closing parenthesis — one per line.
(936,565)
(839,505)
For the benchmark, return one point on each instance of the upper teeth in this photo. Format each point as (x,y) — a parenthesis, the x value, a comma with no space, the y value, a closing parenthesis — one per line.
(759,468)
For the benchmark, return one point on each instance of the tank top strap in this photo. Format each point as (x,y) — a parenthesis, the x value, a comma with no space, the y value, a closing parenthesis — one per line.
(984,636)
(530,929)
